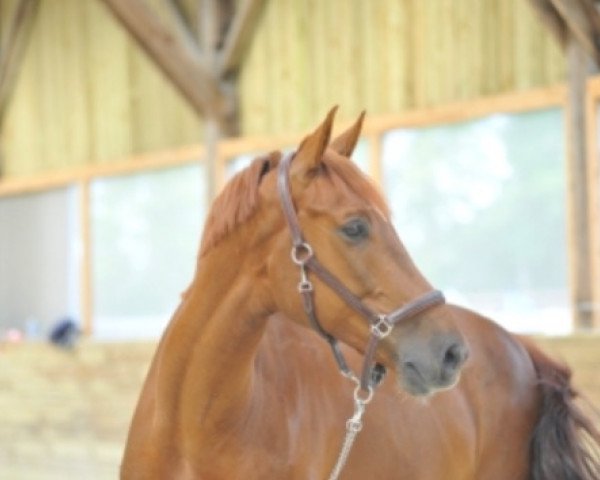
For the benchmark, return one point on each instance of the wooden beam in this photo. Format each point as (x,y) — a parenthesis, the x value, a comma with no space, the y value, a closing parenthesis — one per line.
(239,35)
(552,19)
(85,268)
(583,21)
(515,102)
(183,27)
(578,226)
(180,64)
(593,175)
(11,53)
(127,166)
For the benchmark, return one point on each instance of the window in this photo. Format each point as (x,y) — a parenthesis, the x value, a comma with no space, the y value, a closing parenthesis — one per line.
(480,206)
(145,239)
(39,262)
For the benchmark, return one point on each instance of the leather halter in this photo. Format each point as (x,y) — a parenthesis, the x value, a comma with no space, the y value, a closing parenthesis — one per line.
(302,255)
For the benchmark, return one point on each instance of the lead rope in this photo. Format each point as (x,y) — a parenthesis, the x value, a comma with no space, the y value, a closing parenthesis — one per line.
(353,426)
(354,423)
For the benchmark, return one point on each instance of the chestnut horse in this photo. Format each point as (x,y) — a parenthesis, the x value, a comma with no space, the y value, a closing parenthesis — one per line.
(242,388)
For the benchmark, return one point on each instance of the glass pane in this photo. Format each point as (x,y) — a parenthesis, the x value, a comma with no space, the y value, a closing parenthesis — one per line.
(39,262)
(361,155)
(481,207)
(146,230)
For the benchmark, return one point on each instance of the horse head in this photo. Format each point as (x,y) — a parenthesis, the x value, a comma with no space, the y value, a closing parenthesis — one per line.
(346,222)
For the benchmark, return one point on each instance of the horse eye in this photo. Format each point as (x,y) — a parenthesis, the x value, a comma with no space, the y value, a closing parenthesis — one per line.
(355,230)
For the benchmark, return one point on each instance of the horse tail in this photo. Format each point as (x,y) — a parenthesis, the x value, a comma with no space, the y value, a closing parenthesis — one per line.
(565,444)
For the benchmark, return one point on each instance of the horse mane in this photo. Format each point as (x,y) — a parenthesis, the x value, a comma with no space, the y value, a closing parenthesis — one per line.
(236,203)
(565,444)
(239,199)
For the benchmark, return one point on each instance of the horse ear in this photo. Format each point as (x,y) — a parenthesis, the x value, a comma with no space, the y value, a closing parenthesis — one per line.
(310,152)
(345,143)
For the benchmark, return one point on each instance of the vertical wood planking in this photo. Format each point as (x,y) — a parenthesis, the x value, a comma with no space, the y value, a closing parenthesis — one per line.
(506,45)
(109,88)
(22,141)
(395,97)
(253,90)
(76,114)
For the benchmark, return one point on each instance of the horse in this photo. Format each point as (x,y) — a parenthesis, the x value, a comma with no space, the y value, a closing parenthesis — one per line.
(299,259)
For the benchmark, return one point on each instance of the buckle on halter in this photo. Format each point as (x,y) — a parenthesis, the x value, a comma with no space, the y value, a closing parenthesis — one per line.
(382,327)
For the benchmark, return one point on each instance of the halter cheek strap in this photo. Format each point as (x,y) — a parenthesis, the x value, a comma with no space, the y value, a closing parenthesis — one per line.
(303,255)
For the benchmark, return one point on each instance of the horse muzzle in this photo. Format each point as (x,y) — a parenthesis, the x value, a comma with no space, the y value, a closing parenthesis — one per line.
(424,369)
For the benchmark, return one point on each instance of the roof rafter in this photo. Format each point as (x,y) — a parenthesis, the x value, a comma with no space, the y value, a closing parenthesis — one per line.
(552,19)
(239,34)
(577,18)
(181,63)
(182,26)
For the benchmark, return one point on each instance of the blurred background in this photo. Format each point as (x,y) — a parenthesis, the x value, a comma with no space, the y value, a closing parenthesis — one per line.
(120,120)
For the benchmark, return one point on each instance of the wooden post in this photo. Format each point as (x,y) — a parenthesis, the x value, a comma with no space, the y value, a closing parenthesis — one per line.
(577,186)
(576,25)
(593,177)
(85,269)
(209,26)
(212,135)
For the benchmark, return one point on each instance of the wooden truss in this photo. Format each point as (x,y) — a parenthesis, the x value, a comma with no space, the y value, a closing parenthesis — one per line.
(199,51)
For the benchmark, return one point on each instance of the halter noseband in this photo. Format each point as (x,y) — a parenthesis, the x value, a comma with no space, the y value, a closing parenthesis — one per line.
(302,255)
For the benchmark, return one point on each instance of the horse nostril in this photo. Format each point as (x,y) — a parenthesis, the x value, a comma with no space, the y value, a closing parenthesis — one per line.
(453,358)
(410,366)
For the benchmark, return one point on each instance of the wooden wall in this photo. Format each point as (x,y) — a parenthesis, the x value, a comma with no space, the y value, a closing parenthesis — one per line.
(388,56)
(87,95)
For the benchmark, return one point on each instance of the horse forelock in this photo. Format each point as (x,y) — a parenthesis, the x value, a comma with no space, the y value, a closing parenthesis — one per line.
(358,183)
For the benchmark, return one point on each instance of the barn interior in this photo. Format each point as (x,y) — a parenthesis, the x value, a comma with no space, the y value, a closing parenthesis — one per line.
(121,120)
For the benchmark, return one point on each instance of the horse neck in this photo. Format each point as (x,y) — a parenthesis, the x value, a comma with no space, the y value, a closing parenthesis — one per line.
(205,361)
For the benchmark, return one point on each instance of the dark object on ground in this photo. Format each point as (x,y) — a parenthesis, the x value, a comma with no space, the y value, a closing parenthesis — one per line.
(65,333)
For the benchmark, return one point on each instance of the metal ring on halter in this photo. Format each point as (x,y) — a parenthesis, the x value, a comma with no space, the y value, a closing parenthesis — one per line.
(382,327)
(359,399)
(301,253)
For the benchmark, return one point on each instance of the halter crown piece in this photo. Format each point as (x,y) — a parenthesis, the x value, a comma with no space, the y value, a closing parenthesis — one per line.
(382,324)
